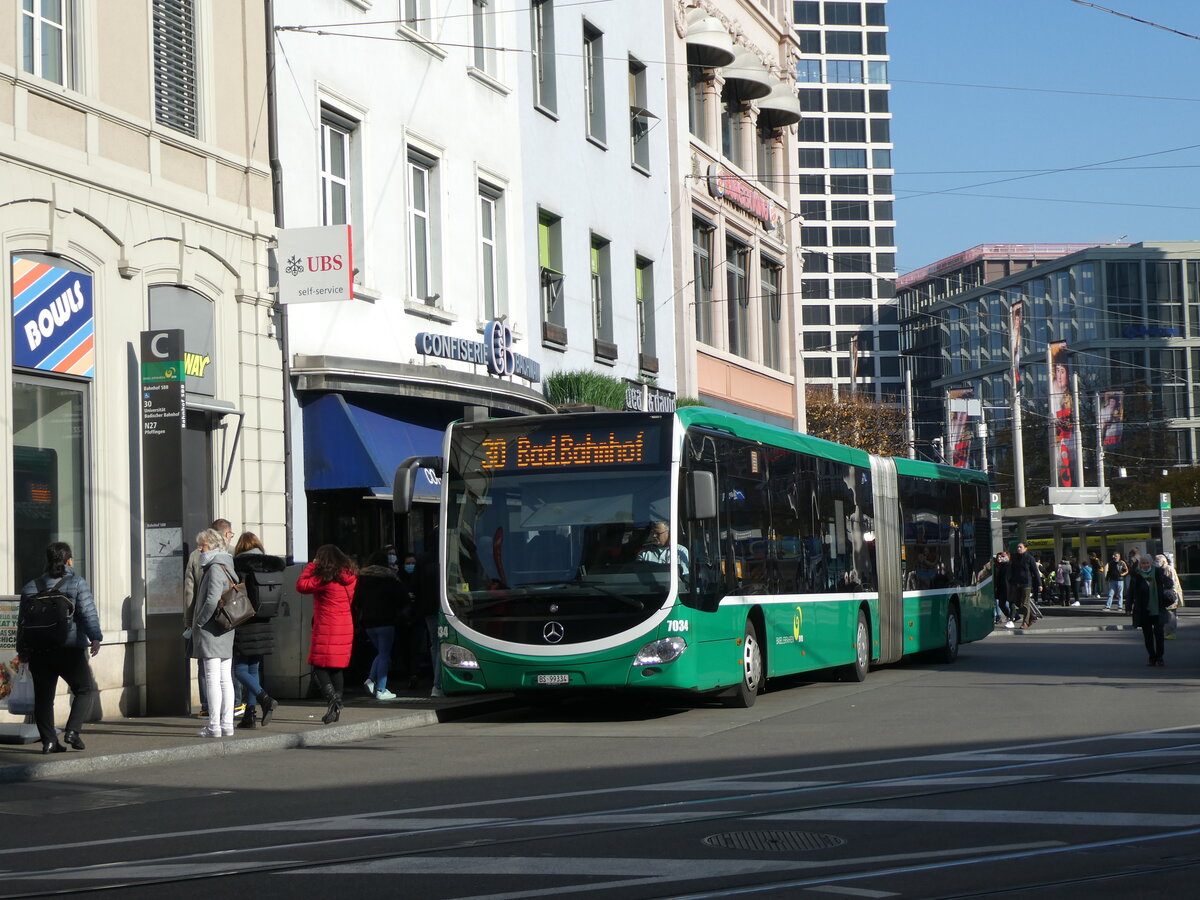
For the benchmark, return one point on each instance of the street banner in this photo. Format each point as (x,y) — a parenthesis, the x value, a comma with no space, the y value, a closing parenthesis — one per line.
(1112,419)
(854,363)
(1062,430)
(1014,340)
(961,429)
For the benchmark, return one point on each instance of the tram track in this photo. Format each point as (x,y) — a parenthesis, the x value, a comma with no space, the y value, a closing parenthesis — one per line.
(223,863)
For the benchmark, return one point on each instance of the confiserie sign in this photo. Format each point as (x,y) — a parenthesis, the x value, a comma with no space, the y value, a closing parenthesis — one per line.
(745,196)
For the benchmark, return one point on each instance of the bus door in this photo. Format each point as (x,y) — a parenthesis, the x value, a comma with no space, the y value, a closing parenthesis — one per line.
(887,559)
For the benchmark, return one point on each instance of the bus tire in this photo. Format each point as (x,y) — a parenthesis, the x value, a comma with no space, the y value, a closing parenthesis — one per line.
(748,688)
(949,650)
(857,670)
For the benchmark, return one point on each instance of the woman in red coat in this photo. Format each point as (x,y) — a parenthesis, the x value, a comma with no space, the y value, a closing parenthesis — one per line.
(331,579)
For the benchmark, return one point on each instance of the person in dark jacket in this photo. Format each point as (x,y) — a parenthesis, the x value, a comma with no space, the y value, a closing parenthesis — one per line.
(410,626)
(331,578)
(1147,599)
(378,598)
(429,595)
(253,639)
(68,662)
(1001,585)
(1024,584)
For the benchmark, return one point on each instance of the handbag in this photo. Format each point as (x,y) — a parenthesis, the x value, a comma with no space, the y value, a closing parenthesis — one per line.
(20,698)
(234,607)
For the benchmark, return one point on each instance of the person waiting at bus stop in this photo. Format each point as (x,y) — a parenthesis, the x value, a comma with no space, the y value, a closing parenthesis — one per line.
(1150,592)
(1024,585)
(1115,576)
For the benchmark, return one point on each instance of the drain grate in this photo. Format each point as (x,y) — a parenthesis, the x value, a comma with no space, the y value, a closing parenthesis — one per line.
(774,841)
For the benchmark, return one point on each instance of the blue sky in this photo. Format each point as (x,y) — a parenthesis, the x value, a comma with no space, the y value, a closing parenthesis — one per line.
(1045,44)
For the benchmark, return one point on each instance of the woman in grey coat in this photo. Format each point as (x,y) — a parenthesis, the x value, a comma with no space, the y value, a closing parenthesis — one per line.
(209,642)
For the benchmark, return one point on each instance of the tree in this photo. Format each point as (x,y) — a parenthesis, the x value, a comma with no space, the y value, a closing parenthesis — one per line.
(856,421)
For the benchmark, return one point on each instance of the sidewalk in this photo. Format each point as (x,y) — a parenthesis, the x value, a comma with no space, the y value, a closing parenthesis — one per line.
(122,743)
(1088,616)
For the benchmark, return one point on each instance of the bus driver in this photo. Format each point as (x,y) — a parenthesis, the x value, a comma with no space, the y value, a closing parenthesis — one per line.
(658,549)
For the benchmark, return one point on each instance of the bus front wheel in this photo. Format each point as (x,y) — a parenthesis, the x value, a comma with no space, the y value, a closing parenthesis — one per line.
(747,690)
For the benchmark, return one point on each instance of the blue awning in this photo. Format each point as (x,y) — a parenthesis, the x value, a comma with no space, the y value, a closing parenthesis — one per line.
(348,446)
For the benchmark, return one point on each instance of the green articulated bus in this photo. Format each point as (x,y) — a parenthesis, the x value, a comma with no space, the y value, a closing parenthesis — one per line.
(694,551)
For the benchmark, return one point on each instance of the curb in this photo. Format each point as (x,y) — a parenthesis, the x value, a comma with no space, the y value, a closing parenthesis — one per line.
(292,740)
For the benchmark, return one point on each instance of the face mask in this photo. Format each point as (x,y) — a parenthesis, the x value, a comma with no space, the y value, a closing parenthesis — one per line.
(1157,564)
(391,559)
(409,568)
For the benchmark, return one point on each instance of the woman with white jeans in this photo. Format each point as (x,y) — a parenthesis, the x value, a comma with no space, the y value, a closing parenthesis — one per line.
(210,643)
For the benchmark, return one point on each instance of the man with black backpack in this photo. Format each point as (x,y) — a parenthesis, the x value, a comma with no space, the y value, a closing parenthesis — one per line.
(56,625)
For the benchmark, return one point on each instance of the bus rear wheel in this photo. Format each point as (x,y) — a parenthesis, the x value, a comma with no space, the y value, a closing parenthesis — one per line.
(949,651)
(746,692)
(857,670)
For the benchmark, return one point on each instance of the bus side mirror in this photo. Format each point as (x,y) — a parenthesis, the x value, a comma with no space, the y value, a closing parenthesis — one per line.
(406,479)
(701,495)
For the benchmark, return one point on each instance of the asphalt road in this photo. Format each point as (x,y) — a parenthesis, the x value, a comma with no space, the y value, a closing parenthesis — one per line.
(1051,765)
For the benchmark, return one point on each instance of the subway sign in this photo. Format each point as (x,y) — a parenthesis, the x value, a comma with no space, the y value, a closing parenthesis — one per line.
(53,323)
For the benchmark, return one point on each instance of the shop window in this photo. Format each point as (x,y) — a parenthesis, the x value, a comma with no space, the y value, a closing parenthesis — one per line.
(50,473)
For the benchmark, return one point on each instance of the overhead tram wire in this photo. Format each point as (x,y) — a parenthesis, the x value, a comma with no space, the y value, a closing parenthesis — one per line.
(406,20)
(1039,90)
(1194,37)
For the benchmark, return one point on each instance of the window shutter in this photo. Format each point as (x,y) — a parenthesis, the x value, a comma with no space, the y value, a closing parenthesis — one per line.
(175,65)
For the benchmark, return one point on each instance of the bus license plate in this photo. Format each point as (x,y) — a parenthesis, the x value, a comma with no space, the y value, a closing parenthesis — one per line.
(561,678)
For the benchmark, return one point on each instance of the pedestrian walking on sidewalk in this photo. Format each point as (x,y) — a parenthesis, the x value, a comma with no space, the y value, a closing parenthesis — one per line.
(1149,593)
(51,659)
(377,600)
(1115,576)
(1024,584)
(331,578)
(210,642)
(254,639)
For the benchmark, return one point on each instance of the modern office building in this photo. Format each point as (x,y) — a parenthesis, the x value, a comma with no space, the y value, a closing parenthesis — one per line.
(843,172)
(137,198)
(1130,314)
(732,112)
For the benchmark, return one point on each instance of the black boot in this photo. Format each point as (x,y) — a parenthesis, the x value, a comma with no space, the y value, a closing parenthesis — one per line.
(268,704)
(334,712)
(249,718)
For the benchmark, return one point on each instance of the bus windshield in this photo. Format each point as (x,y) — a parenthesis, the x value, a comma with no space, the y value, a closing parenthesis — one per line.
(558,520)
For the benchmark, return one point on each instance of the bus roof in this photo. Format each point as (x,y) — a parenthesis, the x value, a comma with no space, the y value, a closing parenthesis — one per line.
(782,437)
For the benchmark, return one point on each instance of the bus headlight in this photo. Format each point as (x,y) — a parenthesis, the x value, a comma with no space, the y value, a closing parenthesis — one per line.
(661,651)
(456,657)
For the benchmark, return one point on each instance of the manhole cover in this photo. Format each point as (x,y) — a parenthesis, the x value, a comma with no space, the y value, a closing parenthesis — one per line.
(776,841)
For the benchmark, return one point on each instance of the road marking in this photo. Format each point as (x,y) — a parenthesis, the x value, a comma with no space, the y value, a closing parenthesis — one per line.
(1014,758)
(93,800)
(1139,779)
(140,871)
(934,780)
(370,822)
(989,817)
(727,784)
(629,818)
(850,892)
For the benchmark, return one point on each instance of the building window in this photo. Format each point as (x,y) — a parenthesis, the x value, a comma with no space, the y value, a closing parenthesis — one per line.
(818,368)
(808,71)
(414,14)
(698,102)
(766,156)
(550,276)
(805,12)
(810,158)
(876,14)
(811,131)
(639,117)
(843,42)
(542,22)
(876,43)
(813,210)
(881,159)
(878,101)
(851,237)
(737,295)
(176,103)
(814,289)
(815,262)
(877,72)
(852,262)
(846,101)
(847,159)
(881,130)
(47,28)
(811,99)
(885,237)
(848,184)
(643,290)
(883,210)
(815,315)
(731,125)
(422,228)
(850,210)
(852,289)
(882,184)
(772,314)
(816,341)
(336,134)
(483,33)
(844,71)
(702,278)
(853,315)
(843,14)
(810,41)
(50,472)
(491,251)
(593,82)
(814,236)
(602,305)
(847,131)
(811,184)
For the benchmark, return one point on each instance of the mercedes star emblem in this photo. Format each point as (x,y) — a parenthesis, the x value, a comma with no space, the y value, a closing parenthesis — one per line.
(553,632)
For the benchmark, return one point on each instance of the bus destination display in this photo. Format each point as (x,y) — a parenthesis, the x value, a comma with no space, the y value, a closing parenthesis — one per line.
(544,449)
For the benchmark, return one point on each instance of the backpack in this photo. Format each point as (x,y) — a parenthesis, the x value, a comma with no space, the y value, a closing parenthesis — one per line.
(266,593)
(1062,574)
(45,621)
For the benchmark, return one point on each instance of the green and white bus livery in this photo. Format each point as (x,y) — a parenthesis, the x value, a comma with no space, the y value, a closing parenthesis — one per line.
(694,551)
